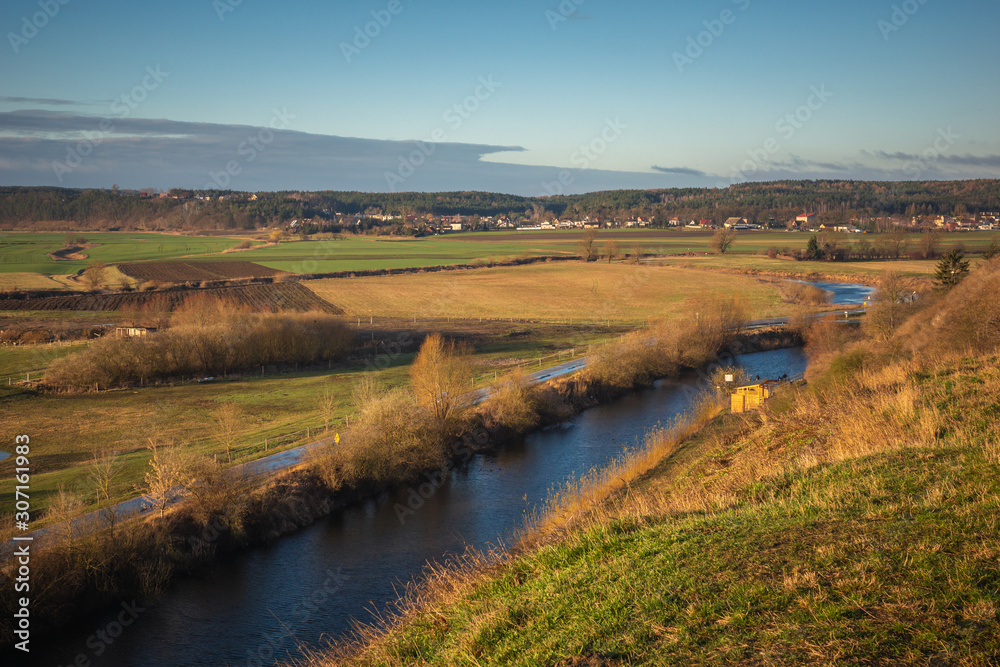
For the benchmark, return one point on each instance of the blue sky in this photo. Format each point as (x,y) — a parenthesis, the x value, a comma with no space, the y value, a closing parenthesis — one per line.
(550,96)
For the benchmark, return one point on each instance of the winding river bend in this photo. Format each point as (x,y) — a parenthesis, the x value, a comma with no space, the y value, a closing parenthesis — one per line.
(253,608)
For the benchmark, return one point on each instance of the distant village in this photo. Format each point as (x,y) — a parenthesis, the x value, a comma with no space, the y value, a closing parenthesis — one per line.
(547,221)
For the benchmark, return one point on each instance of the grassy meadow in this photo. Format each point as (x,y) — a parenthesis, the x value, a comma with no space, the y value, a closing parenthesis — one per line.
(552,291)
(25,264)
(28,252)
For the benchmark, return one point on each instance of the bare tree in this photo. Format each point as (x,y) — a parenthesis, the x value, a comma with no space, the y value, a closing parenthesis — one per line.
(611,250)
(441,376)
(167,472)
(105,466)
(63,508)
(327,404)
(722,239)
(228,420)
(888,311)
(898,242)
(635,254)
(586,248)
(94,274)
(929,243)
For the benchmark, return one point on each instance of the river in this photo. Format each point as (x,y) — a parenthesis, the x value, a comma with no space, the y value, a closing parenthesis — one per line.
(241,610)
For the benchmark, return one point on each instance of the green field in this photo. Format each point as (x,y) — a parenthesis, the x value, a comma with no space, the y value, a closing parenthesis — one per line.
(26,253)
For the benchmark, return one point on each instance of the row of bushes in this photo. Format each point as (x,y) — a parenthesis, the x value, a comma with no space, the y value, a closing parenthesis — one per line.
(668,348)
(399,433)
(226,343)
(79,572)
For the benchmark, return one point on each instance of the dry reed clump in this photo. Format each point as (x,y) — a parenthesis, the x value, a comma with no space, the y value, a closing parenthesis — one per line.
(210,339)
(391,439)
(804,294)
(513,404)
(642,356)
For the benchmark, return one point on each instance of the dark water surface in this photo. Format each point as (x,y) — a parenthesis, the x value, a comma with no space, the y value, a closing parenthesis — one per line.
(311,584)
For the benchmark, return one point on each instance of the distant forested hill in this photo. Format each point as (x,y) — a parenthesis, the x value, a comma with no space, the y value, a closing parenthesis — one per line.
(34,207)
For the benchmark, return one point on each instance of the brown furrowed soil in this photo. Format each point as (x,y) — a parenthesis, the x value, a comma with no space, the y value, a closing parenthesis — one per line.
(181,272)
(268,298)
(72,252)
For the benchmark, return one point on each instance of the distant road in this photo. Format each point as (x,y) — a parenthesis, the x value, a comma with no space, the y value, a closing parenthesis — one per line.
(783,321)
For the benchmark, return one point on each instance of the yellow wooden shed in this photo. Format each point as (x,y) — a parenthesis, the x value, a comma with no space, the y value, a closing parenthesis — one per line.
(752,396)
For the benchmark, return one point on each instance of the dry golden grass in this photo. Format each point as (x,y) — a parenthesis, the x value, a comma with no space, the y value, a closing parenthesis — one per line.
(562,292)
(36,281)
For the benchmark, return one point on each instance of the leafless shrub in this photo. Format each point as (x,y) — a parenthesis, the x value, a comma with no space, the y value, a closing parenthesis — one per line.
(804,294)
(513,404)
(206,339)
(441,377)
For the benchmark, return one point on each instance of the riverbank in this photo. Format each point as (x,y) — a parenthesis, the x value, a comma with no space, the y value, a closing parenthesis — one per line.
(784,542)
(228,515)
(851,520)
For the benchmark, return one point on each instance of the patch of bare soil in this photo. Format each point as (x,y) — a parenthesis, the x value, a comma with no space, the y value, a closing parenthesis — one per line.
(72,252)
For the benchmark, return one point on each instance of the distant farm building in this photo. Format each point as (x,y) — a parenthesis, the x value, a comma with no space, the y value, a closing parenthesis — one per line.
(133,332)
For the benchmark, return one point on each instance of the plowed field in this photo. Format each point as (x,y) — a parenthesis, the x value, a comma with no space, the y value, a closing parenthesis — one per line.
(269,298)
(182,272)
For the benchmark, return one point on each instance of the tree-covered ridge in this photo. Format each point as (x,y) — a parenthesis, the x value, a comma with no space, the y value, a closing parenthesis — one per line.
(758,202)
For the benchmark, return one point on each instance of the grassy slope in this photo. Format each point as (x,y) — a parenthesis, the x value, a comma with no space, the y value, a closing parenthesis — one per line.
(560,291)
(820,534)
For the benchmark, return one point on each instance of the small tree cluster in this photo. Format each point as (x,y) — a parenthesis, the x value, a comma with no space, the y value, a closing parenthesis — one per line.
(951,270)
